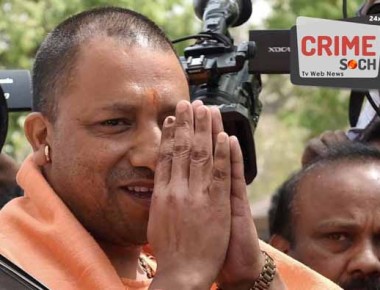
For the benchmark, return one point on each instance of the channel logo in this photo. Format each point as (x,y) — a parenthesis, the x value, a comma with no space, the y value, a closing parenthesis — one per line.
(334,53)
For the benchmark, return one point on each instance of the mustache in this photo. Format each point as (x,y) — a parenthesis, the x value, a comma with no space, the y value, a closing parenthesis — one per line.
(119,175)
(368,283)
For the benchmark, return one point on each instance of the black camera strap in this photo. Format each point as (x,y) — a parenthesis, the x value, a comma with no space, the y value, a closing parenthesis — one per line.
(3,118)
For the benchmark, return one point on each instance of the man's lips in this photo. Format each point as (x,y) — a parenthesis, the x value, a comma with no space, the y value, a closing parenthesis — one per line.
(140,189)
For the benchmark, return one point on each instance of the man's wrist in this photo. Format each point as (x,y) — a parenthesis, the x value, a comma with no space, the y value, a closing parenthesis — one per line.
(173,280)
(262,282)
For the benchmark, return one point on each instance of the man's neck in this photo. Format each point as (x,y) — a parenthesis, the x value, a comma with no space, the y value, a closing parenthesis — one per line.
(125,260)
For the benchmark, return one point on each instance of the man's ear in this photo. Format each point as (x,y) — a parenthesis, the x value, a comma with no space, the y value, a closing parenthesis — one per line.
(36,129)
(280,243)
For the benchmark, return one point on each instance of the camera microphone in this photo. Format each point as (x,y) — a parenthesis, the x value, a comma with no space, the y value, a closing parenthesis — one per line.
(218,15)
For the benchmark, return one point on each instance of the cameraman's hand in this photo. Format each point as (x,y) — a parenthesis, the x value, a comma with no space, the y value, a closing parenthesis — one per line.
(318,146)
(190,212)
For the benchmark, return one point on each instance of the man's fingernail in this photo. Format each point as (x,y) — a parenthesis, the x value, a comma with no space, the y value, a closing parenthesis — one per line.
(201,112)
(182,106)
(234,138)
(169,121)
(222,137)
(197,102)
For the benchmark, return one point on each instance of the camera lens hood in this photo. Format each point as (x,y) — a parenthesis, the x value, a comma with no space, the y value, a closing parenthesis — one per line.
(245,9)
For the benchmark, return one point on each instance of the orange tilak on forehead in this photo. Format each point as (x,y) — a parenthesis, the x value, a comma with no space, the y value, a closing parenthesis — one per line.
(152,98)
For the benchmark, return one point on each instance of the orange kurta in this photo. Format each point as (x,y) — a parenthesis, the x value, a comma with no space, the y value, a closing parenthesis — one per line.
(40,234)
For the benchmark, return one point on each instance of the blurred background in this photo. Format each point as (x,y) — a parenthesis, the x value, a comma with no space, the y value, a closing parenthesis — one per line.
(291,114)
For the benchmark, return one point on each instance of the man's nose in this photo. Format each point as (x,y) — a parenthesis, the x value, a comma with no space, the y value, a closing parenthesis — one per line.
(144,152)
(365,261)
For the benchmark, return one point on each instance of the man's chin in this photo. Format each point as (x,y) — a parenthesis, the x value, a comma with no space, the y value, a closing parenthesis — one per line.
(131,238)
(137,240)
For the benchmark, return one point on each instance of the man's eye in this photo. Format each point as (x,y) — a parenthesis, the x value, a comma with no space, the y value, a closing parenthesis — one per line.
(116,122)
(337,242)
(337,236)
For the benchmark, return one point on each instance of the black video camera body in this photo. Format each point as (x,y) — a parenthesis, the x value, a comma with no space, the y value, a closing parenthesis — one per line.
(227,75)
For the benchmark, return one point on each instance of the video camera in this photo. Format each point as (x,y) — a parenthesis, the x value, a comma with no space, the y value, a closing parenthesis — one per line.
(227,75)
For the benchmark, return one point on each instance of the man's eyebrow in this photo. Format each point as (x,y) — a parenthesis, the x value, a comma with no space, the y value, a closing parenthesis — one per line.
(341,224)
(119,107)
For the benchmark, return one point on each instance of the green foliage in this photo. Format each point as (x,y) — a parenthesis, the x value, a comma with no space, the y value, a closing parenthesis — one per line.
(314,109)
(24,24)
(285,12)
(317,109)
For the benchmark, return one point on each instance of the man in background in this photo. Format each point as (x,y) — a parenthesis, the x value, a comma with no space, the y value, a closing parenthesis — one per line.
(327,216)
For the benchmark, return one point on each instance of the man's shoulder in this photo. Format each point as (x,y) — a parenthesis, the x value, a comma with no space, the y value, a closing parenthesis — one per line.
(296,275)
